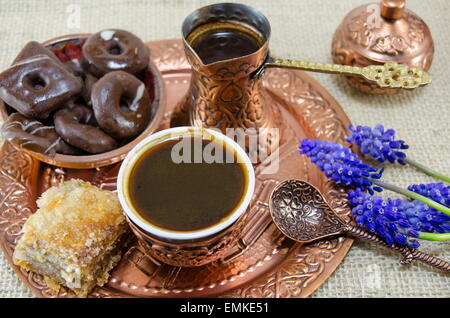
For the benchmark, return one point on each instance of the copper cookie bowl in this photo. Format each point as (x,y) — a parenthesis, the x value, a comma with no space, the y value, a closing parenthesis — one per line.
(155,87)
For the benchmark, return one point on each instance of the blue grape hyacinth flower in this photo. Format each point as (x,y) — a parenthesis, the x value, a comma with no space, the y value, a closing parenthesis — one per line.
(398,221)
(380,144)
(340,164)
(438,192)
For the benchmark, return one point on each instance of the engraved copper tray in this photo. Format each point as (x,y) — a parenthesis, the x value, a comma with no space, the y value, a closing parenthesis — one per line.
(264,263)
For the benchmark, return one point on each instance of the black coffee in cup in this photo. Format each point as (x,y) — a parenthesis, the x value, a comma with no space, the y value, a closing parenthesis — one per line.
(186,196)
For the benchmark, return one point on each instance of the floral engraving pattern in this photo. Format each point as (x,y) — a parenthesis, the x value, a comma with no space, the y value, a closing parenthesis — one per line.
(358,42)
(301,212)
(362,33)
(169,56)
(16,177)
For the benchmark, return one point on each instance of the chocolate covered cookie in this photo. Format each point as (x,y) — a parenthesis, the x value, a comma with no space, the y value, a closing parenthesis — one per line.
(76,127)
(31,134)
(115,50)
(34,48)
(121,105)
(37,86)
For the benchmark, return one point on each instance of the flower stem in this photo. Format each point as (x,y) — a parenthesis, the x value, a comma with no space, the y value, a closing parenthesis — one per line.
(412,195)
(427,170)
(434,236)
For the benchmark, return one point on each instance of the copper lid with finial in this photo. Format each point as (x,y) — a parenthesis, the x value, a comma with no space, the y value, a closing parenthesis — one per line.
(377,33)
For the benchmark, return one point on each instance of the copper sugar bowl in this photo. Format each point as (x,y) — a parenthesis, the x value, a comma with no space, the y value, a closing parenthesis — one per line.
(377,33)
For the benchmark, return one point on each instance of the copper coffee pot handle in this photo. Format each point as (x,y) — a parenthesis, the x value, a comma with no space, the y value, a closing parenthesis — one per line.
(388,75)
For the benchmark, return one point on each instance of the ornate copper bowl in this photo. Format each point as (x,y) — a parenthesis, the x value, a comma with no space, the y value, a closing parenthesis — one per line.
(154,84)
(377,33)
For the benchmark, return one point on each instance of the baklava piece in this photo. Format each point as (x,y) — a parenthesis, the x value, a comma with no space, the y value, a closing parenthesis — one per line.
(75,237)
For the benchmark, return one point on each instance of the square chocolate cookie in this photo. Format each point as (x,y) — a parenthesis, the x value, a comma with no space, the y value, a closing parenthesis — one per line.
(37,86)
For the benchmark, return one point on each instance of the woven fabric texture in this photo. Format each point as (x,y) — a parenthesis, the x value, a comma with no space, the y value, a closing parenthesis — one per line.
(302,29)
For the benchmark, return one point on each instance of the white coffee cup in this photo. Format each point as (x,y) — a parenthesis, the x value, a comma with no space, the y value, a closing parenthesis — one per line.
(170,134)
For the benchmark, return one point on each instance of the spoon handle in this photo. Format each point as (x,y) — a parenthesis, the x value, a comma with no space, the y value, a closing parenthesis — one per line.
(409,254)
(391,75)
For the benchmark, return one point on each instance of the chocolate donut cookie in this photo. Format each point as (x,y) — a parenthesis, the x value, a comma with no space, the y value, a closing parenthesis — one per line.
(75,126)
(121,105)
(32,135)
(37,86)
(34,48)
(114,50)
(89,82)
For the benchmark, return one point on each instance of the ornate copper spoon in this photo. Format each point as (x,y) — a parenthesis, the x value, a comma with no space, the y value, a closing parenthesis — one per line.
(388,75)
(301,213)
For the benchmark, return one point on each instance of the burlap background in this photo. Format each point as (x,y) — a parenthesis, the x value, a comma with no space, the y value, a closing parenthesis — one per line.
(303,29)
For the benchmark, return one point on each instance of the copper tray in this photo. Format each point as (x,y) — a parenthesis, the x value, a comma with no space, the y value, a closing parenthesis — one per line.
(264,263)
